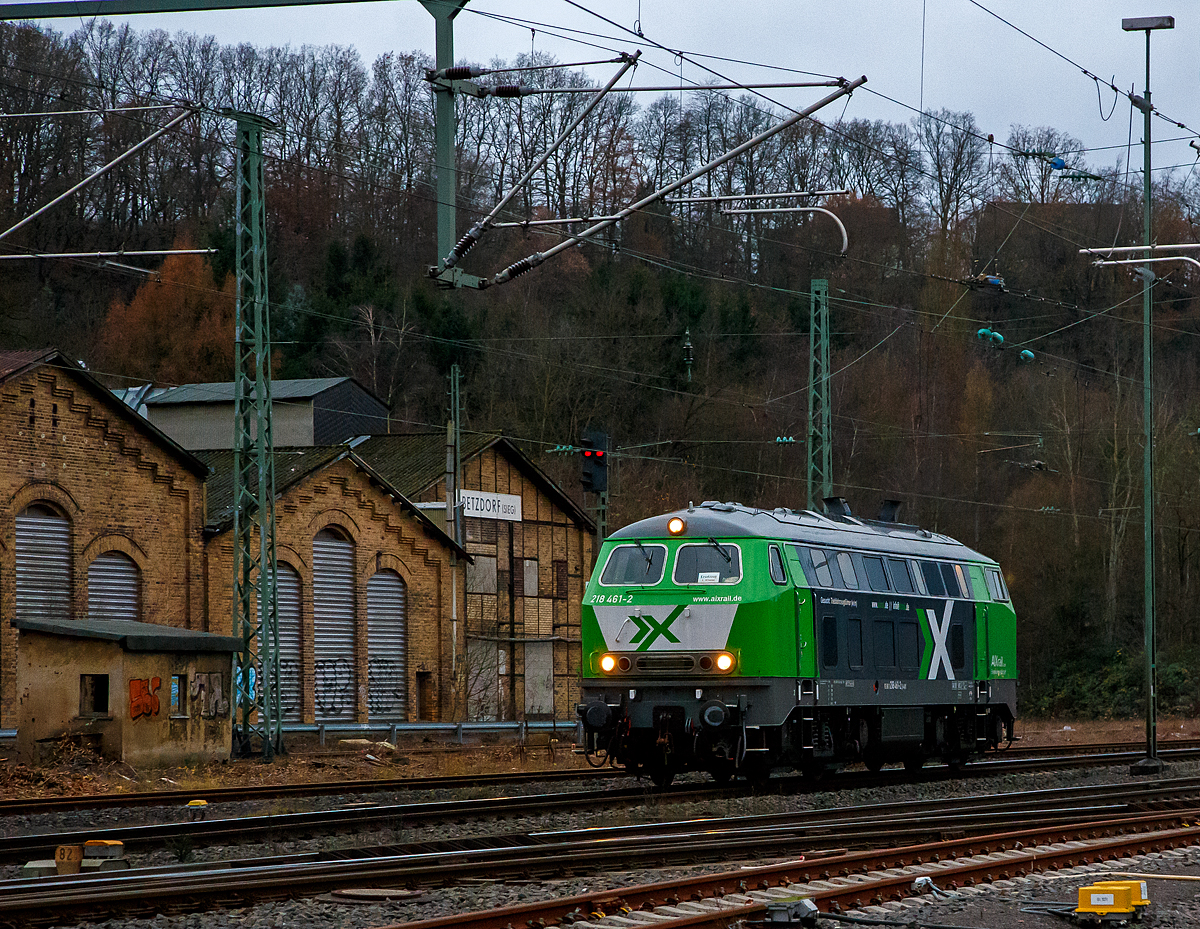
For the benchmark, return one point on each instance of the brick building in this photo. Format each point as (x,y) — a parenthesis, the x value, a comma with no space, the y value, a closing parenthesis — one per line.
(101,515)
(532,550)
(365,586)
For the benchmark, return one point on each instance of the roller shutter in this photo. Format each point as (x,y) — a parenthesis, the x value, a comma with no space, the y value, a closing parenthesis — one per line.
(43,558)
(291,654)
(333,628)
(113,586)
(387,624)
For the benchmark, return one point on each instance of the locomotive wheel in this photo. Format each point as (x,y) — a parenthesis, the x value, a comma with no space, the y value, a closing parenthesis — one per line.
(721,774)
(661,776)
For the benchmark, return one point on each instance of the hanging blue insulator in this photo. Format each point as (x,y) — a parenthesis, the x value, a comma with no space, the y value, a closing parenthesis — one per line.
(983,333)
(997,338)
(1057,164)
(1026,356)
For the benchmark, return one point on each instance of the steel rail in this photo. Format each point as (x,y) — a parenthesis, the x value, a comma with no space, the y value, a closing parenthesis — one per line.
(54,902)
(1013,759)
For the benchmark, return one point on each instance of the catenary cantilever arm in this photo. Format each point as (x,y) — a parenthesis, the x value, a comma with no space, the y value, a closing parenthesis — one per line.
(100,172)
(799,209)
(475,233)
(532,261)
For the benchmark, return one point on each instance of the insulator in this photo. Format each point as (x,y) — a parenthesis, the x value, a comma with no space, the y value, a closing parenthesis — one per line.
(464,245)
(511,90)
(517,268)
(461,72)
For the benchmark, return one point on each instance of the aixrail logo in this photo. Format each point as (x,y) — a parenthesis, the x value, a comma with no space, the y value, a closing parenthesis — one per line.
(649,629)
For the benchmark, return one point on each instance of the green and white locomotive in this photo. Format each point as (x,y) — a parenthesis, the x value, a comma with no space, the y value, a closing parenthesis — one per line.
(734,640)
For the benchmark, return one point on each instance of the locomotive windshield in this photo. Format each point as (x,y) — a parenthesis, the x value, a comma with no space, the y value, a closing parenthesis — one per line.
(710,563)
(634,564)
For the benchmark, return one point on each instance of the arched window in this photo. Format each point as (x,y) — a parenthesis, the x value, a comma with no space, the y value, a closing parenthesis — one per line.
(114,587)
(43,556)
(291,652)
(387,631)
(334,690)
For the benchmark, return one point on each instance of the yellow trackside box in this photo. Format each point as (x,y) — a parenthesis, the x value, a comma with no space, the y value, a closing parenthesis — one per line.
(1110,899)
(1137,891)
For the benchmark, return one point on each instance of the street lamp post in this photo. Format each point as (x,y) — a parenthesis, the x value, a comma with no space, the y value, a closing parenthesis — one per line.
(1151,764)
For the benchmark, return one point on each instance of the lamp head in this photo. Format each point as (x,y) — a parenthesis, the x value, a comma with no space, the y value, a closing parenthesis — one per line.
(1138,23)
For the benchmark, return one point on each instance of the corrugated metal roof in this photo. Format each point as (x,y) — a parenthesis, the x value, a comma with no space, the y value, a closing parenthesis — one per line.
(134,636)
(300,389)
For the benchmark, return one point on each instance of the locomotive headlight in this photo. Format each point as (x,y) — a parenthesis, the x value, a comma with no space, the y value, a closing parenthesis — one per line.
(676,525)
(724,661)
(608,663)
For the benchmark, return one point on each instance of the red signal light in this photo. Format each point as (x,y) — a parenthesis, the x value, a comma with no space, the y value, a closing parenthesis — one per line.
(587,453)
(599,453)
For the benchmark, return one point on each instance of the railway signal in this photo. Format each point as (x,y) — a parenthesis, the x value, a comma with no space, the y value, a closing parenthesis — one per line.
(595,461)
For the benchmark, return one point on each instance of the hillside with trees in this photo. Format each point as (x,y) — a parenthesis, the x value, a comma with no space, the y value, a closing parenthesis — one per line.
(1037,463)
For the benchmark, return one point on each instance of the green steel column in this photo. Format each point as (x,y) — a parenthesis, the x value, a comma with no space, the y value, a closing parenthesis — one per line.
(820,452)
(444,130)
(255,600)
(1151,764)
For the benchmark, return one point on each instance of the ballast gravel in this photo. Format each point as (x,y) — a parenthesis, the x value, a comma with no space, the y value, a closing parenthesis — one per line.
(1173,903)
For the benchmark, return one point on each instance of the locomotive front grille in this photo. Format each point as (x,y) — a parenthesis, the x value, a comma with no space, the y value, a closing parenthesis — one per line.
(666,664)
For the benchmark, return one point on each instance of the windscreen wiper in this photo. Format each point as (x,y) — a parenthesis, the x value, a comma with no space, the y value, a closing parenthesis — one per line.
(649,558)
(717,545)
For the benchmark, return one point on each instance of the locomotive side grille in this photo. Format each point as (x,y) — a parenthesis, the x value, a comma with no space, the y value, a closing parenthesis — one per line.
(666,664)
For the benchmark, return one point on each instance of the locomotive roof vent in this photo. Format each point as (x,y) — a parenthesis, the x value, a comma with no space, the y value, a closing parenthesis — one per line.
(888,510)
(837,506)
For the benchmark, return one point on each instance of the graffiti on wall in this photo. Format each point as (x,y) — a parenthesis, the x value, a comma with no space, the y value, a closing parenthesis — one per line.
(334,689)
(207,692)
(143,697)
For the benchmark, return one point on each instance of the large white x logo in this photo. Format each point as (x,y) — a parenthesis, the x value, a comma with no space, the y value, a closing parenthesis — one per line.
(941,657)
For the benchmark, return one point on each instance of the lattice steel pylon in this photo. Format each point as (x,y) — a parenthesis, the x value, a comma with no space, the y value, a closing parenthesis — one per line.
(255,596)
(820,452)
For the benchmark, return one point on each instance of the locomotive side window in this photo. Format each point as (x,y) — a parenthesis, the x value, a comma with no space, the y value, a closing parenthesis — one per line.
(951,579)
(918,577)
(995,584)
(958,651)
(775,557)
(846,563)
(933,579)
(711,563)
(854,642)
(829,649)
(883,635)
(910,647)
(820,563)
(630,565)
(964,581)
(875,575)
(901,579)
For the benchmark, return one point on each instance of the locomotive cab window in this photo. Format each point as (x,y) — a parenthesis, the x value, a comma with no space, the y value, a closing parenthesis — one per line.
(995,584)
(964,581)
(875,575)
(775,557)
(631,565)
(712,562)
(829,642)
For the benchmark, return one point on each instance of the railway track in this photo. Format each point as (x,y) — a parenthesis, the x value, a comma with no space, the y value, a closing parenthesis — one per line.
(364,818)
(1038,818)
(1013,759)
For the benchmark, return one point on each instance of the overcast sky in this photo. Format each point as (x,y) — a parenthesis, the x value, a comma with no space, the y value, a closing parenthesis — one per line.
(972,60)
